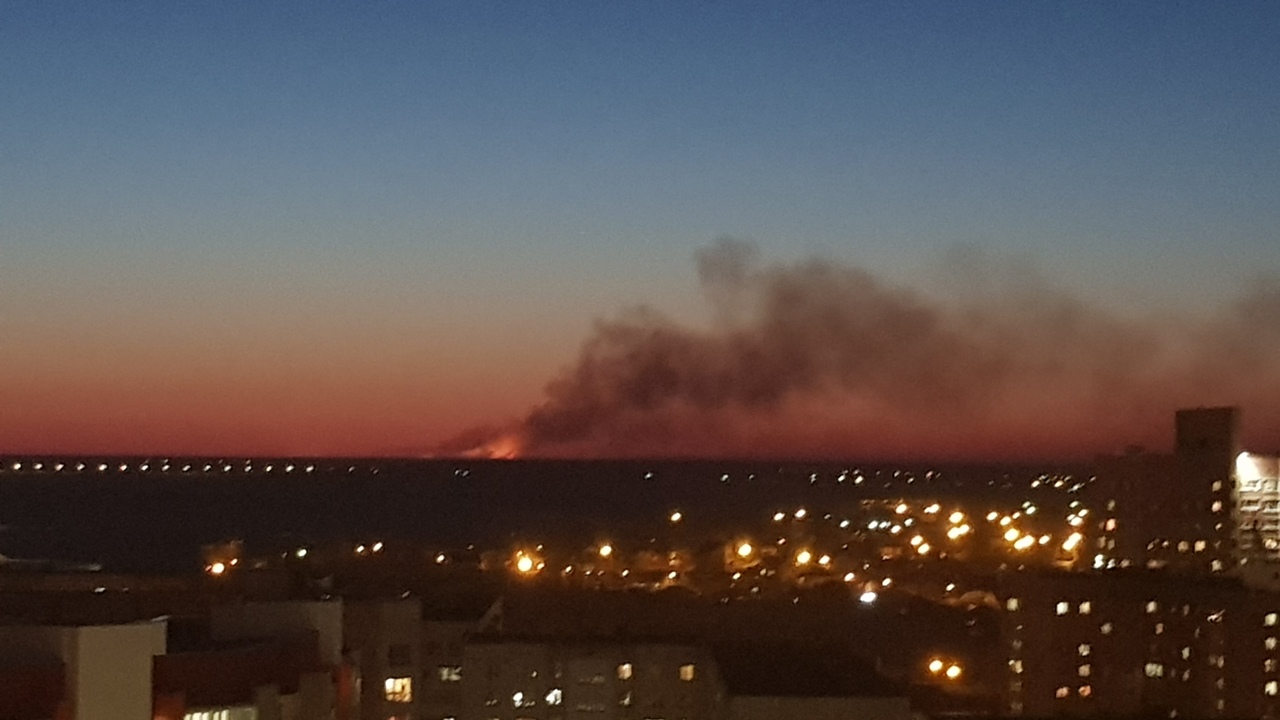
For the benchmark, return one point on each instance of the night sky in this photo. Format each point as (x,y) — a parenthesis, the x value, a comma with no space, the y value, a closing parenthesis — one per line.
(890,229)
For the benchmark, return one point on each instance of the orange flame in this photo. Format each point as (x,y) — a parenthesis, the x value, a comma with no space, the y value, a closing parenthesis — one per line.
(503,447)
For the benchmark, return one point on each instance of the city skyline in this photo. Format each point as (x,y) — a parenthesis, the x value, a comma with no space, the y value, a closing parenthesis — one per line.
(347,231)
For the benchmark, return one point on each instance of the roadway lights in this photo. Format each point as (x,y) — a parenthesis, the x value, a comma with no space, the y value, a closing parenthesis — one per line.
(525,564)
(950,670)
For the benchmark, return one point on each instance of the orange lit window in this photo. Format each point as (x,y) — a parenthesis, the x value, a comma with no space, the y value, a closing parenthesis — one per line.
(398,689)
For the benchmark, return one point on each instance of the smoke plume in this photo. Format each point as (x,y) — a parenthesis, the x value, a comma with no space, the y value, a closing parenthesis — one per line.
(822,359)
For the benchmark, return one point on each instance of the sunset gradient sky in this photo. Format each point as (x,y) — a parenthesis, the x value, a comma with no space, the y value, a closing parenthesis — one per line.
(363,228)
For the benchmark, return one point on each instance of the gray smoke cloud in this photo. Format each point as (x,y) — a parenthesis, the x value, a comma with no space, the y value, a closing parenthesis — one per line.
(823,359)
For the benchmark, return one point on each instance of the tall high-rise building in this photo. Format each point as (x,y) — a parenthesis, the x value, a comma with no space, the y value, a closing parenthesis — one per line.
(1207,507)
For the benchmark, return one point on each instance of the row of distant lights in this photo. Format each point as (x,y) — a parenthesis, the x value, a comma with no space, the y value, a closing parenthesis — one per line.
(858,477)
(530,562)
(165,467)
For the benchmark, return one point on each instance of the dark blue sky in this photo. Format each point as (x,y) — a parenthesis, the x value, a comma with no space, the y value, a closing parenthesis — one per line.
(268,176)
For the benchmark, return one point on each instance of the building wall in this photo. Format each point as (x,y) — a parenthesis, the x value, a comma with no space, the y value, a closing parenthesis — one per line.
(107,668)
(1177,511)
(443,648)
(1258,482)
(283,620)
(601,681)
(385,638)
(1088,645)
(788,708)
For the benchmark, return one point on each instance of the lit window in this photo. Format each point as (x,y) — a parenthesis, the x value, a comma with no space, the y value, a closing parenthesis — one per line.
(1063,607)
(1186,653)
(1216,566)
(624,671)
(518,699)
(1086,691)
(1084,670)
(1062,692)
(1271,688)
(1269,665)
(1269,619)
(1270,643)
(1111,524)
(625,700)
(1159,628)
(1105,628)
(1217,506)
(398,689)
(1086,607)
(1200,545)
(1084,649)
(1152,606)
(688,672)
(1154,670)
(1015,666)
(449,673)
(555,697)
(1011,604)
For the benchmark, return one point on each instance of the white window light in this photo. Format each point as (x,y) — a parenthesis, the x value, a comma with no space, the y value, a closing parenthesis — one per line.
(398,689)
